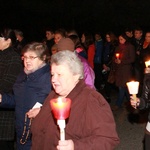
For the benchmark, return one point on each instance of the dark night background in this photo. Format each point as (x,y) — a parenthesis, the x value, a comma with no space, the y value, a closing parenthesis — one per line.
(32,16)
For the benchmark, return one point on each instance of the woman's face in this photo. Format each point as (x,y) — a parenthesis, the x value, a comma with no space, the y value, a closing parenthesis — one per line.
(57,37)
(31,61)
(121,40)
(63,80)
(4,43)
(108,38)
(147,37)
(83,38)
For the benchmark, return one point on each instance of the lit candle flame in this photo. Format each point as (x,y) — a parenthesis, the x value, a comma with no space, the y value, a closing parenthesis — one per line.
(117,55)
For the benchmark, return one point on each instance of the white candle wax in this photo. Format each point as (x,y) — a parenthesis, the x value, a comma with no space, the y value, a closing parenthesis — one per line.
(133,87)
(147,63)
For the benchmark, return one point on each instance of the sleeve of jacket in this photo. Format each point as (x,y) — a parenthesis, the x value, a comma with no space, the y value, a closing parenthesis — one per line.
(145,98)
(8,101)
(100,125)
(89,75)
(10,75)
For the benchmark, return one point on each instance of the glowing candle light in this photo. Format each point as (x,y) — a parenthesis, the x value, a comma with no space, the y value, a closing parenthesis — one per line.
(133,88)
(61,111)
(147,63)
(117,55)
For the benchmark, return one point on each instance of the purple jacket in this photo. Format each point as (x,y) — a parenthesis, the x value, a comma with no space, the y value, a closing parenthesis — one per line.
(89,75)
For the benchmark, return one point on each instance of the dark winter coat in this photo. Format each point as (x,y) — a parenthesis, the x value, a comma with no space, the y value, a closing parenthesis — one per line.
(28,90)
(124,70)
(10,66)
(91,125)
(145,98)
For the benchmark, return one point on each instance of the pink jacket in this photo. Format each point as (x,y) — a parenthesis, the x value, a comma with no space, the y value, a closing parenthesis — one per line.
(89,75)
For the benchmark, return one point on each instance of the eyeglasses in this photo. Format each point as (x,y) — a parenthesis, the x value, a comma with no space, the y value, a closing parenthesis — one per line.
(30,57)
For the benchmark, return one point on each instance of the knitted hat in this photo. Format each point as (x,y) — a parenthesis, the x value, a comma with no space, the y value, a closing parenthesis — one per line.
(66,44)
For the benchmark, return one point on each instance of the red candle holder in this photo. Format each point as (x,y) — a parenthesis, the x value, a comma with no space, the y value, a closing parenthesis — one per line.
(61,108)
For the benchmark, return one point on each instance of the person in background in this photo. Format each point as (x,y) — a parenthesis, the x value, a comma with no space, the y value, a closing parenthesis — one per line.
(21,42)
(109,49)
(30,89)
(138,44)
(143,103)
(59,34)
(145,53)
(78,46)
(49,39)
(88,42)
(123,68)
(98,60)
(71,32)
(90,125)
(10,66)
(54,49)
(89,76)
(130,35)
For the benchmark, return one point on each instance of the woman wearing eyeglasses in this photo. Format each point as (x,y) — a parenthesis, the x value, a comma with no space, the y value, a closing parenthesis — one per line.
(30,90)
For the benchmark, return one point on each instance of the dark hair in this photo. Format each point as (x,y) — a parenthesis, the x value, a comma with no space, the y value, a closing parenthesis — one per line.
(89,39)
(49,30)
(138,29)
(19,32)
(76,40)
(128,30)
(113,37)
(39,48)
(61,31)
(124,36)
(9,34)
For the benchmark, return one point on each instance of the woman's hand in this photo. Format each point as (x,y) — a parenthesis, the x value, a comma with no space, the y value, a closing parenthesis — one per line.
(117,61)
(134,102)
(65,145)
(32,113)
(106,67)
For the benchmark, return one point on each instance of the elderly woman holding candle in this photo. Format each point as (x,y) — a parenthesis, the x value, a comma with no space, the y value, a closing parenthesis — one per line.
(90,125)
(144,103)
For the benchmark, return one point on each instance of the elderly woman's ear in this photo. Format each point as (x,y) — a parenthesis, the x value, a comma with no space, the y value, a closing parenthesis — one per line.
(8,42)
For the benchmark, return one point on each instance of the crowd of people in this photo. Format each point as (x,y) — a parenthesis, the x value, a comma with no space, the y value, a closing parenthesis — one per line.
(68,65)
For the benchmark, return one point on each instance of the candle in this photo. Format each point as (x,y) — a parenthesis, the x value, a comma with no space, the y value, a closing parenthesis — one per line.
(61,110)
(61,107)
(117,55)
(133,88)
(147,63)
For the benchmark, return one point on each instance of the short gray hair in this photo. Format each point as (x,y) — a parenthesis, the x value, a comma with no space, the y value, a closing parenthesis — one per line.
(70,59)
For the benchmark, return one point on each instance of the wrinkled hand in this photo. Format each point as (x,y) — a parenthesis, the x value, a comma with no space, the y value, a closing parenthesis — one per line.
(32,113)
(134,103)
(65,145)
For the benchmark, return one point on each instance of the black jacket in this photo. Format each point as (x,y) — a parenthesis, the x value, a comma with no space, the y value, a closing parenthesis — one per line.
(145,98)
